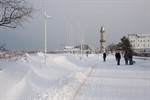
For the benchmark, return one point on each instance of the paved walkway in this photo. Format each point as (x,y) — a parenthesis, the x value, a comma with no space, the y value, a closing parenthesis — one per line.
(114,82)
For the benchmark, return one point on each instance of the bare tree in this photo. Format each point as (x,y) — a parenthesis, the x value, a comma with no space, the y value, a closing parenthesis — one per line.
(14,12)
(112,47)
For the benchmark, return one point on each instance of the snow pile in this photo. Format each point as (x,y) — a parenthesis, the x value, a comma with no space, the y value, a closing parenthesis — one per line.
(66,77)
(67,87)
(28,76)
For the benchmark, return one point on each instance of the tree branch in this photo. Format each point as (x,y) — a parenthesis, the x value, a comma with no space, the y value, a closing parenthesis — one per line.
(14,12)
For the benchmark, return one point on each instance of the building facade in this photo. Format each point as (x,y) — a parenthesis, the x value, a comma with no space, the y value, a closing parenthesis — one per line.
(140,42)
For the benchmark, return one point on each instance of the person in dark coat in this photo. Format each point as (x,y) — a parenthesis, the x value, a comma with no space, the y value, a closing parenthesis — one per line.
(126,57)
(104,56)
(118,57)
(130,56)
(87,52)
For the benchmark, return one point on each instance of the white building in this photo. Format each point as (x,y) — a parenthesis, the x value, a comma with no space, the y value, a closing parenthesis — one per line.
(140,42)
(71,49)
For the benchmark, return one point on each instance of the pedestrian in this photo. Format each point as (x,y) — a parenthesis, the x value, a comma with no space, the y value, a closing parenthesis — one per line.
(126,57)
(130,57)
(118,57)
(87,53)
(104,56)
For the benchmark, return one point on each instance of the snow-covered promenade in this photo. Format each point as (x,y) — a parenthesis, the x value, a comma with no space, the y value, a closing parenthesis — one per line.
(111,82)
(66,77)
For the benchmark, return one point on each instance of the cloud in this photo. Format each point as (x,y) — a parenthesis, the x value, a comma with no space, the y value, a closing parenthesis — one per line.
(119,17)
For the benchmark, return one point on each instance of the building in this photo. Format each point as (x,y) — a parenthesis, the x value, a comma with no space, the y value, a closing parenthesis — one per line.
(140,42)
(77,49)
(71,49)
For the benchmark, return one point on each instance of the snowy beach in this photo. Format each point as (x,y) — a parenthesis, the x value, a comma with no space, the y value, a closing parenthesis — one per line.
(67,77)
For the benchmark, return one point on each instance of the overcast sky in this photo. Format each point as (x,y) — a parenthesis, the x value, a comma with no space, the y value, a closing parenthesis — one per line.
(74,20)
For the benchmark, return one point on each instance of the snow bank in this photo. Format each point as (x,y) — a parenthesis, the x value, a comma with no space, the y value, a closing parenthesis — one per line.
(29,75)
(61,77)
(67,87)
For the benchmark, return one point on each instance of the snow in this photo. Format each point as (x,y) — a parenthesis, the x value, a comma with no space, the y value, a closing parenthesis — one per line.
(67,77)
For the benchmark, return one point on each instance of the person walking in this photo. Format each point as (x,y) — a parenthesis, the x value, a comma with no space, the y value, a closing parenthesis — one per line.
(104,56)
(118,57)
(126,57)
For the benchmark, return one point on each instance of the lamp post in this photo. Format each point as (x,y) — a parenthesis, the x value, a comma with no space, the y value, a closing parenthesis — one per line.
(81,49)
(46,17)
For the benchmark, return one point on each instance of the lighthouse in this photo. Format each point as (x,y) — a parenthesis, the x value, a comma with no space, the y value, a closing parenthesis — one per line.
(102,41)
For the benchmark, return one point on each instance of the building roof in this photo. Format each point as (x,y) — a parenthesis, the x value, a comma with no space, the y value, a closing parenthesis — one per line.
(140,35)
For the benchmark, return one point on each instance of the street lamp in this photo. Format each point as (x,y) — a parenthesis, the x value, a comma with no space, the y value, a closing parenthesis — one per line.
(81,49)
(46,17)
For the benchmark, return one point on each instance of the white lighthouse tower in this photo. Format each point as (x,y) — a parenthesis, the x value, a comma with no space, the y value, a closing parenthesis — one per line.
(102,41)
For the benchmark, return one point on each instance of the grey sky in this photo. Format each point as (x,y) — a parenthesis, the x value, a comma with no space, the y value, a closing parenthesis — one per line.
(73,17)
